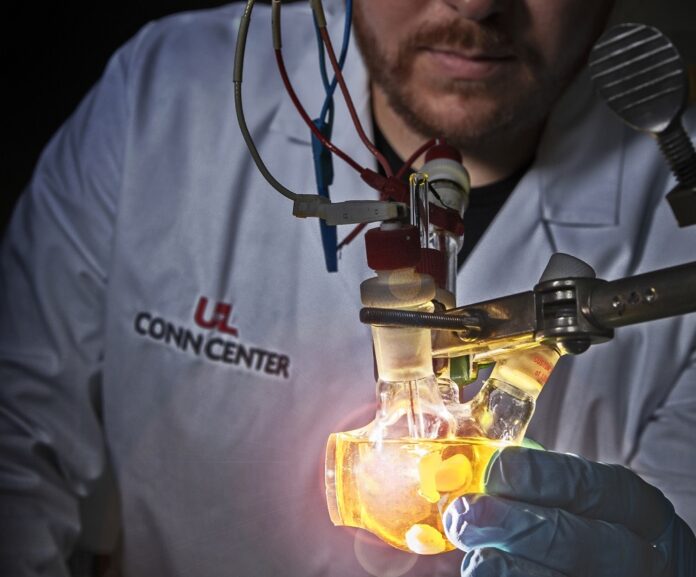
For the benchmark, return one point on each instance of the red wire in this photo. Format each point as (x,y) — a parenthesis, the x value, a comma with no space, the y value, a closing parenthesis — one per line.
(411,159)
(356,121)
(349,102)
(400,174)
(351,235)
(308,121)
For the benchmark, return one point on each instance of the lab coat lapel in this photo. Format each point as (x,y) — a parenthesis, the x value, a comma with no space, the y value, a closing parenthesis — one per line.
(566,202)
(310,91)
(577,161)
(581,177)
(513,251)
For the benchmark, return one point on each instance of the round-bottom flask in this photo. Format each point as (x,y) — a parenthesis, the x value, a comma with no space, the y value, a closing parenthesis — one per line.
(396,476)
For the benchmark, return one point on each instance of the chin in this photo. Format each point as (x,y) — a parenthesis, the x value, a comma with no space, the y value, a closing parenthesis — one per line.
(463,120)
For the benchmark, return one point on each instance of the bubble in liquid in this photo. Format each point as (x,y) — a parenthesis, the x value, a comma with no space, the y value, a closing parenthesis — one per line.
(379,559)
(427,469)
(425,540)
(438,476)
(453,474)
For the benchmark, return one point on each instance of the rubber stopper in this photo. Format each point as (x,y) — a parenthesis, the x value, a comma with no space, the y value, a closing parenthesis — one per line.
(432,262)
(443,150)
(392,249)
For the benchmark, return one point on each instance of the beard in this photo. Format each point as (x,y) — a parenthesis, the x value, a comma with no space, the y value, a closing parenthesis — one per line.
(469,114)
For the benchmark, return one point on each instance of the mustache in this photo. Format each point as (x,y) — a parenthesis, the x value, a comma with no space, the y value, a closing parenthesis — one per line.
(462,36)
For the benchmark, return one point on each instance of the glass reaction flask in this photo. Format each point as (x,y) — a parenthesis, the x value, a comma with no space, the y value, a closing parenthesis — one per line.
(396,476)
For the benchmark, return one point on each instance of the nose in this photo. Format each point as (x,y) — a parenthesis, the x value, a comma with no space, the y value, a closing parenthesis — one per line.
(475,9)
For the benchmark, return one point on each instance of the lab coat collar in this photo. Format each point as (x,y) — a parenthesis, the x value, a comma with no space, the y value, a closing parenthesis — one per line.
(310,91)
(579,160)
(572,186)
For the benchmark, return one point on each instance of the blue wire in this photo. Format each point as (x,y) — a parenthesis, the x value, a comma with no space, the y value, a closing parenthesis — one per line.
(322,60)
(323,161)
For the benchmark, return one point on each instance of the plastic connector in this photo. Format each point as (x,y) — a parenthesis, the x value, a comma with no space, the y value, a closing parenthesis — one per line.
(449,181)
(275,25)
(318,9)
(348,212)
(358,211)
(307,205)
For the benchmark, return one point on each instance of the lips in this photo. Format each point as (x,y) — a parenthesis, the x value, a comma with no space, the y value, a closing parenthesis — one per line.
(466,64)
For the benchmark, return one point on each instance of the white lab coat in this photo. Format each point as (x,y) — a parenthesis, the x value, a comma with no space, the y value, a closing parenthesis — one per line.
(147,200)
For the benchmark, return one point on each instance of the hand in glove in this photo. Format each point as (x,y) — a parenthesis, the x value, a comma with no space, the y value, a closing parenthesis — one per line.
(549,514)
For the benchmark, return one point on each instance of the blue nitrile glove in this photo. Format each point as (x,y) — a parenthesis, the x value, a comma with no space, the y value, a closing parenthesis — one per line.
(550,514)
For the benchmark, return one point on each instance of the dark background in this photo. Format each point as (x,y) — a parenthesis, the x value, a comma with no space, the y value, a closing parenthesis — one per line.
(51,55)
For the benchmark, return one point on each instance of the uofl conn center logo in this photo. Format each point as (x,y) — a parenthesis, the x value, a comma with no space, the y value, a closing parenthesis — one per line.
(214,342)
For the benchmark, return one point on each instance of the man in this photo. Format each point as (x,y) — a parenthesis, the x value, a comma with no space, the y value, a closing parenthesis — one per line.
(170,338)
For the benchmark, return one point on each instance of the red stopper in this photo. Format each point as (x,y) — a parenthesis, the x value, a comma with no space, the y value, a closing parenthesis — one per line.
(392,249)
(443,150)
(432,262)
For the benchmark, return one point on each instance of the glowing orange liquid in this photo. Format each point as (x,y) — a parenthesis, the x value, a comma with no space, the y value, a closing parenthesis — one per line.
(398,489)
